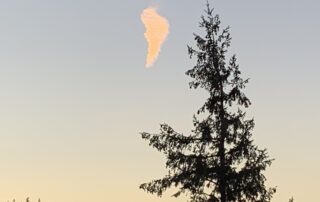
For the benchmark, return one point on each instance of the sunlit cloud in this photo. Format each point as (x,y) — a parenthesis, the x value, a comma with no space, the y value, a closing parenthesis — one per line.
(157,30)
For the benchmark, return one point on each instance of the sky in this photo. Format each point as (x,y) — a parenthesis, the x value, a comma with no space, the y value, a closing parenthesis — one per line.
(75,94)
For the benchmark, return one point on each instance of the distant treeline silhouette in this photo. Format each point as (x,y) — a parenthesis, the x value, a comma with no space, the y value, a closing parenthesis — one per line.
(27,200)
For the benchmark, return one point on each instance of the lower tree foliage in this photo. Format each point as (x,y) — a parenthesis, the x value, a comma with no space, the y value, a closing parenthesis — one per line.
(218,161)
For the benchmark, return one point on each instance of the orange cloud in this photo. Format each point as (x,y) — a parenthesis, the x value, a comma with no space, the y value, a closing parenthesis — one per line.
(157,30)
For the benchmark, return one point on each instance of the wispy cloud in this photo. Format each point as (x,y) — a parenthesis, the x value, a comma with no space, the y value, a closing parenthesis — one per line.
(157,30)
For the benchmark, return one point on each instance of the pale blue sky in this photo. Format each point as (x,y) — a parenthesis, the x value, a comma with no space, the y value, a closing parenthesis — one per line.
(75,93)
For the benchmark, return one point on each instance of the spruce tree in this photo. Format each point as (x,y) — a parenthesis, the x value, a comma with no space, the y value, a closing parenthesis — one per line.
(218,161)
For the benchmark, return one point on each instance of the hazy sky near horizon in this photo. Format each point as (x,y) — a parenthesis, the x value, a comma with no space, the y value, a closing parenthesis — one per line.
(75,94)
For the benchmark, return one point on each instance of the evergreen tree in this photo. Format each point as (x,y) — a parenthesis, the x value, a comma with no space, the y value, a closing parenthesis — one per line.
(218,162)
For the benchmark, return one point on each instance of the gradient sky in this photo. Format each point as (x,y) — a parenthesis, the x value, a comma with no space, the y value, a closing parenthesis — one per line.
(74,94)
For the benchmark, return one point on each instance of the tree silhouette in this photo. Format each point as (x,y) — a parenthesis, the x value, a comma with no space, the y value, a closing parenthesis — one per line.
(218,162)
